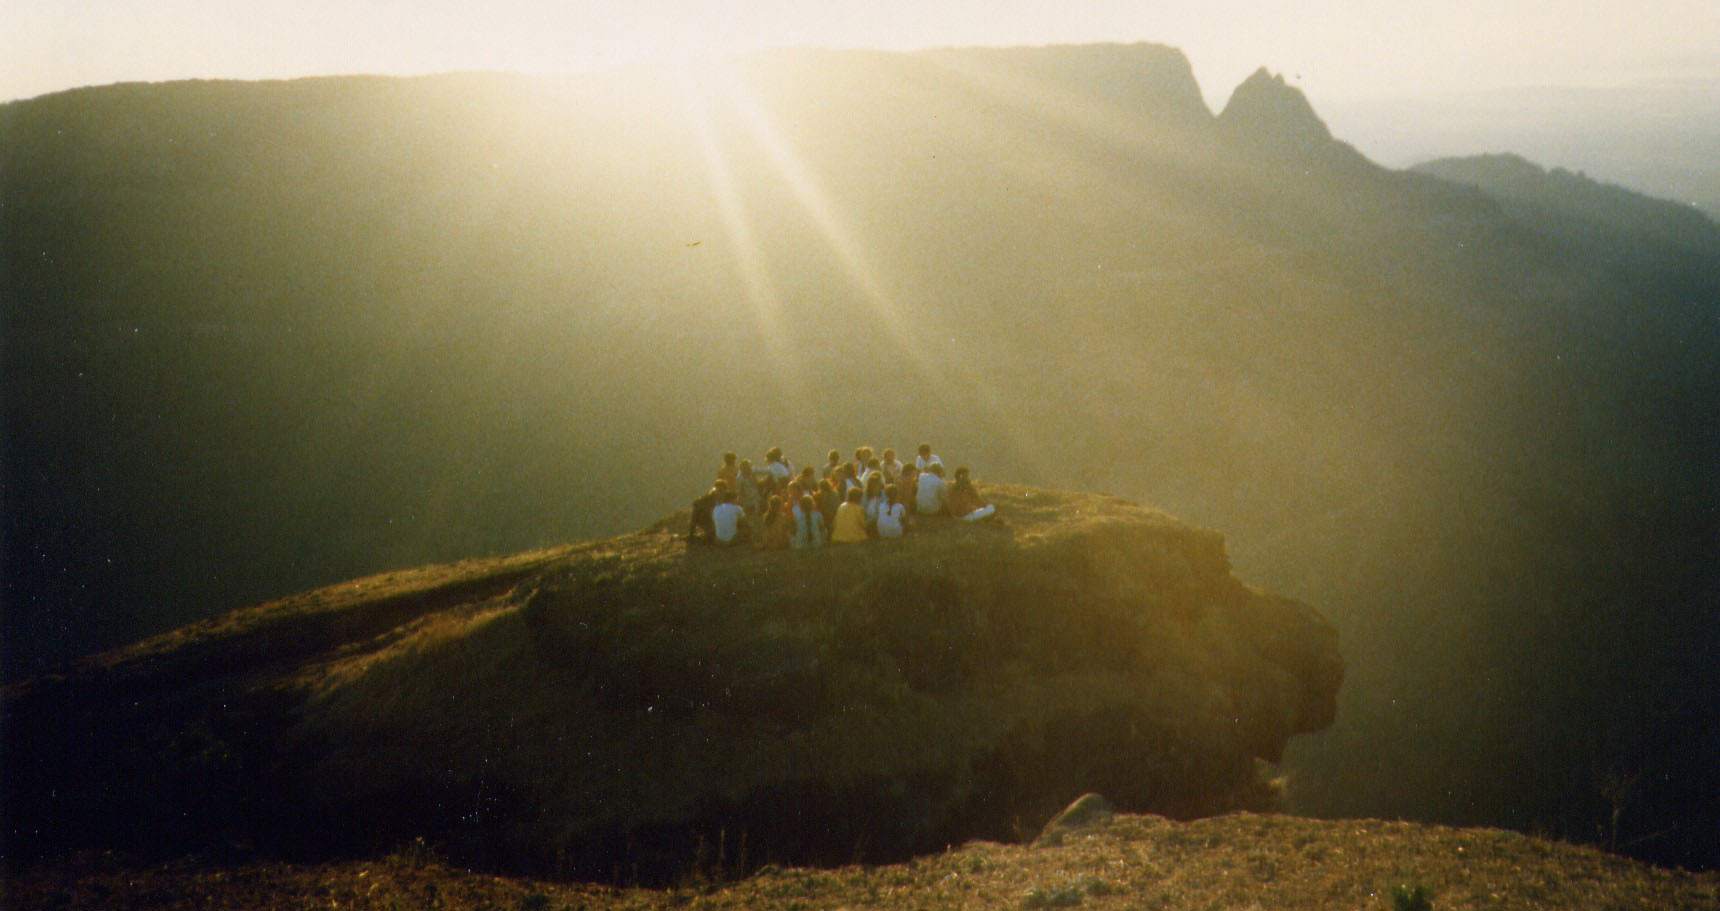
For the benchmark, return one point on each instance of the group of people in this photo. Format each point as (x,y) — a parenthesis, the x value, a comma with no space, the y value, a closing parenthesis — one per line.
(870,496)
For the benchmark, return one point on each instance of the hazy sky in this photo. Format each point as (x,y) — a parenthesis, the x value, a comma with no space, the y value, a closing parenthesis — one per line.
(1335,49)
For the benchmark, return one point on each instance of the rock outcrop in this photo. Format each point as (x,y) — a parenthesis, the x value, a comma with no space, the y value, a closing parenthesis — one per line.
(1274,118)
(627,707)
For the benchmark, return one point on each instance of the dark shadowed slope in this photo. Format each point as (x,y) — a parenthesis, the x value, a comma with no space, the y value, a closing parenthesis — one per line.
(612,706)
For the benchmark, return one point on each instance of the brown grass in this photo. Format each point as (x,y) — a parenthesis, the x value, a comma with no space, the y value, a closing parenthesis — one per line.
(1239,862)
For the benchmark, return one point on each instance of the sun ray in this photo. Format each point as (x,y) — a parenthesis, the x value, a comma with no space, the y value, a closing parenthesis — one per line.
(956,383)
(830,224)
(761,293)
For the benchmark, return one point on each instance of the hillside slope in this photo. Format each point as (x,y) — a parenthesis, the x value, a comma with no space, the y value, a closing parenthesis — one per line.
(617,705)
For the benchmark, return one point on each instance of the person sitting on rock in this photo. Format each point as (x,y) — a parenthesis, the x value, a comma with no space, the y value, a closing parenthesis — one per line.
(893,517)
(862,456)
(830,495)
(729,470)
(778,525)
(891,466)
(850,526)
(874,498)
(964,499)
(780,471)
(926,459)
(702,509)
(808,525)
(908,487)
(747,492)
(931,498)
(728,526)
(850,477)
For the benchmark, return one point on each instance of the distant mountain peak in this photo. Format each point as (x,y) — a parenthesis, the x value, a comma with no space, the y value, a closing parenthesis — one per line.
(1269,112)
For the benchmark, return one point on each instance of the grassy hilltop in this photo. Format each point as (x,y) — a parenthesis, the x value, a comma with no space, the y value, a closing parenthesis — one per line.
(615,707)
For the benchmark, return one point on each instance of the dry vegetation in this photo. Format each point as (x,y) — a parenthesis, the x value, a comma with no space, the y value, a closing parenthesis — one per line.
(1241,862)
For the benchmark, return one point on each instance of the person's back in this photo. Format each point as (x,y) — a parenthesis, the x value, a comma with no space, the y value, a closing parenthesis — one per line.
(891,515)
(747,492)
(778,526)
(929,498)
(726,518)
(702,509)
(830,499)
(908,487)
(781,471)
(808,525)
(850,525)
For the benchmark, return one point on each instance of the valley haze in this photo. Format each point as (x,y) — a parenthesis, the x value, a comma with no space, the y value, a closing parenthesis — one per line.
(261,337)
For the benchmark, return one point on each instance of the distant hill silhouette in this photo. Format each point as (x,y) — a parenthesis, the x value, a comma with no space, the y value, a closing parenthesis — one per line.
(624,704)
(264,336)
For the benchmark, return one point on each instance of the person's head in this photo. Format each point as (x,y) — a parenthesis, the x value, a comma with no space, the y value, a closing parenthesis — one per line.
(773,454)
(720,486)
(806,503)
(910,470)
(889,455)
(874,465)
(774,505)
(863,454)
(727,496)
(936,468)
(834,457)
(808,473)
(962,473)
(746,464)
(728,458)
(874,484)
(854,495)
(890,492)
(848,470)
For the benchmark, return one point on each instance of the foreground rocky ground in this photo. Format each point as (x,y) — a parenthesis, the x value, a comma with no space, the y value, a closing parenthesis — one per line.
(1241,861)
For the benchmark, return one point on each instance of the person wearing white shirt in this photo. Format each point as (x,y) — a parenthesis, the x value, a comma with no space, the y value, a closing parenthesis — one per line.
(930,499)
(926,459)
(726,520)
(892,516)
(778,466)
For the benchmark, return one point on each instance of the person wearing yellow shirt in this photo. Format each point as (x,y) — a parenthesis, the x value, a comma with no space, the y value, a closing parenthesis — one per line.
(850,524)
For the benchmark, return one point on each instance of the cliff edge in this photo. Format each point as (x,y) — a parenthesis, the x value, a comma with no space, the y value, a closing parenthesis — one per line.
(623,707)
